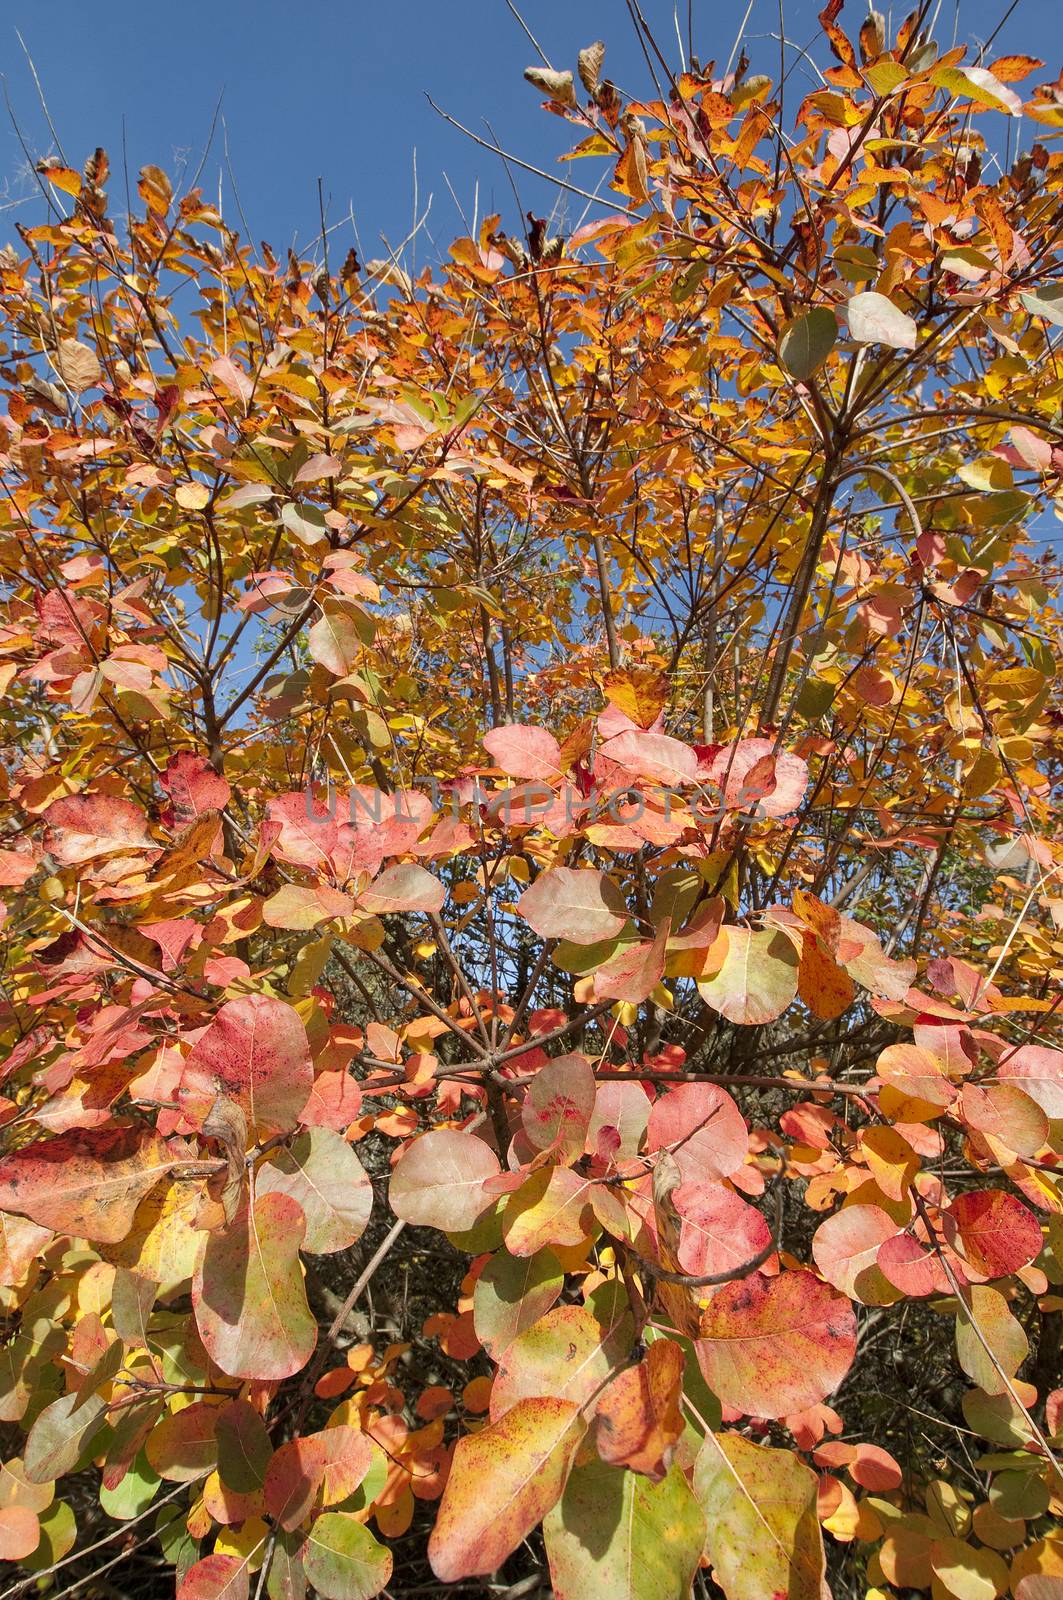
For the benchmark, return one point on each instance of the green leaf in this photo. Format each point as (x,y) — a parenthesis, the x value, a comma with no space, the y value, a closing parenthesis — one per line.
(134,1494)
(885,76)
(287,1575)
(614,1535)
(61,1436)
(807,342)
(512,1293)
(760,1509)
(244,1449)
(342,1559)
(306,522)
(1046,302)
(58,1532)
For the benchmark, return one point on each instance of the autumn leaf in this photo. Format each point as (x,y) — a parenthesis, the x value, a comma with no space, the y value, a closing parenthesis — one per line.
(997,1233)
(184,1446)
(753,775)
(439,1180)
(194,790)
(321,1172)
(87,1182)
(763,1534)
(719,1231)
(845,1249)
(248,1294)
(301,907)
(584,906)
(700,1124)
(770,1346)
(758,977)
(525,752)
(404,887)
(502,1483)
(568,1353)
(300,1467)
(255,1052)
(85,827)
(632,974)
(638,1421)
(338,637)
(873,319)
(559,1104)
(552,1207)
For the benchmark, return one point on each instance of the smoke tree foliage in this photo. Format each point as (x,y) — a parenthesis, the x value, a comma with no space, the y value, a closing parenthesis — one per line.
(579,726)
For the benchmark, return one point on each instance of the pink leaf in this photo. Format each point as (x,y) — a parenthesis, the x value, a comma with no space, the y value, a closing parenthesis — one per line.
(720,1231)
(403,887)
(845,1249)
(634,971)
(525,752)
(559,1105)
(652,755)
(752,773)
(703,1128)
(438,1182)
(582,905)
(256,1053)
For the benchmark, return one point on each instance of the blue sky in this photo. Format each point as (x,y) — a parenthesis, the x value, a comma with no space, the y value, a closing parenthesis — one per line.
(310,89)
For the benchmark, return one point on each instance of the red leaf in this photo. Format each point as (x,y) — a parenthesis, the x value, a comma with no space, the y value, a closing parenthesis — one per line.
(194,789)
(769,1346)
(215,1578)
(85,826)
(702,1127)
(998,1234)
(254,1052)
